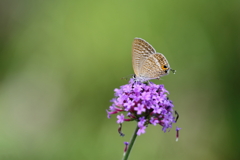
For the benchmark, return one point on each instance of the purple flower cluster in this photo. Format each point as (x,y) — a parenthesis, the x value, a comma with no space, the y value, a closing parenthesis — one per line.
(144,103)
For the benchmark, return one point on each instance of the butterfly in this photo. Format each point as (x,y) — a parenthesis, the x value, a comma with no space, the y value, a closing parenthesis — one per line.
(147,63)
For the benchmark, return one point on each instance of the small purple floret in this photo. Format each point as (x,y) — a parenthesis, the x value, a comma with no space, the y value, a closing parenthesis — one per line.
(141,122)
(154,121)
(140,108)
(141,130)
(120,118)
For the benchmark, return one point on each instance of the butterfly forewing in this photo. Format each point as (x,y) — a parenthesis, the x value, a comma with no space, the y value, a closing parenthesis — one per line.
(141,50)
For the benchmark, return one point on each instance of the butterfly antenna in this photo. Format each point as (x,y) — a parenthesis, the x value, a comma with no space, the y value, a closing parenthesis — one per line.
(174,71)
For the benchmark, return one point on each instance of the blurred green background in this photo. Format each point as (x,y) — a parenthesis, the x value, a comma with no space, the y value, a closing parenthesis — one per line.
(60,61)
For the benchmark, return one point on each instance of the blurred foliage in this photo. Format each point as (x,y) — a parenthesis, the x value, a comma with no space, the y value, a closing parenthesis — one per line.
(61,60)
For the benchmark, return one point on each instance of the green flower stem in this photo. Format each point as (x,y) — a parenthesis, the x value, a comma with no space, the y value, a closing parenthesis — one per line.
(134,136)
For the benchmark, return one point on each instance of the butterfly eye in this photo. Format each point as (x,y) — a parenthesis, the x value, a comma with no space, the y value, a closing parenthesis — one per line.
(165,66)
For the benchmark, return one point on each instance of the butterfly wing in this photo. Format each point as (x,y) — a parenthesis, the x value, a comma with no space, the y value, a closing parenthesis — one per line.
(140,51)
(155,66)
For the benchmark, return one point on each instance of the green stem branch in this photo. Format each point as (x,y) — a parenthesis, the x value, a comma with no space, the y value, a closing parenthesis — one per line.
(134,136)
